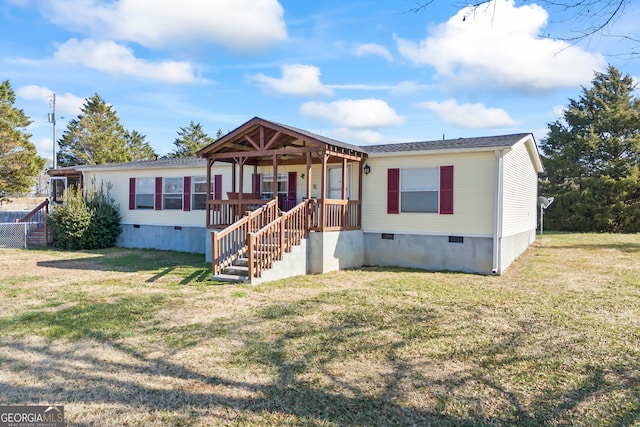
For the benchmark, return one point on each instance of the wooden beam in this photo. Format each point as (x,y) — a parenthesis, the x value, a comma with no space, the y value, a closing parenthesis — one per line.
(208,196)
(233,177)
(308,175)
(248,138)
(272,140)
(323,192)
(344,179)
(360,175)
(274,182)
(261,153)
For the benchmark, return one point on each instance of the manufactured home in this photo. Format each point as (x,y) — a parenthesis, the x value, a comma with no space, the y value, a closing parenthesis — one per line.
(269,201)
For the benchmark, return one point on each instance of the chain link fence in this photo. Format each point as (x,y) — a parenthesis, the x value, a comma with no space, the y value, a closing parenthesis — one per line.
(14,234)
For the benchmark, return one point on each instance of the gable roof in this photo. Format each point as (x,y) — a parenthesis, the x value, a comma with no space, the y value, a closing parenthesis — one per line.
(282,136)
(483,142)
(258,140)
(140,164)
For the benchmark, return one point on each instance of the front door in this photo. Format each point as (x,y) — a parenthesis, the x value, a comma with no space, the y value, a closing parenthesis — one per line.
(334,183)
(57,187)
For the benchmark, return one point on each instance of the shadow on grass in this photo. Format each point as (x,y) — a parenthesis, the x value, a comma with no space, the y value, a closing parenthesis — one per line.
(294,346)
(192,266)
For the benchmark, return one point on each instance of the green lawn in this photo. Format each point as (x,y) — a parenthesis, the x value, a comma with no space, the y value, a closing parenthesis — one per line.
(132,337)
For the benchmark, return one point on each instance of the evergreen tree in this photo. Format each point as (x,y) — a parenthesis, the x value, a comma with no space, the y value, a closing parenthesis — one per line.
(137,147)
(592,159)
(191,139)
(95,137)
(19,161)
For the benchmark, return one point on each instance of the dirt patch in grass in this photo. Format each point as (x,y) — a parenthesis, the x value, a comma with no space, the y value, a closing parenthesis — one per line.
(141,338)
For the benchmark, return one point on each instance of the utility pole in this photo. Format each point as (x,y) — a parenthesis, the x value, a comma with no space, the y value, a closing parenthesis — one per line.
(52,120)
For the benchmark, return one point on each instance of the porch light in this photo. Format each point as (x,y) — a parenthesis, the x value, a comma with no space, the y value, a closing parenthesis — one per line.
(367,169)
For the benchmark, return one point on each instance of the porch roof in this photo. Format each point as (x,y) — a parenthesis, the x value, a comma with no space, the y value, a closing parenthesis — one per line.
(258,140)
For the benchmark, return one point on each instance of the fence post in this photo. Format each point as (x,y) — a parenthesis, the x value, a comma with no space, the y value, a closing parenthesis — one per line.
(250,249)
(214,252)
(282,231)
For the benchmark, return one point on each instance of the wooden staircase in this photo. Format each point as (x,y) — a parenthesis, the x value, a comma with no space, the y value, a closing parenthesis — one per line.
(242,251)
(37,235)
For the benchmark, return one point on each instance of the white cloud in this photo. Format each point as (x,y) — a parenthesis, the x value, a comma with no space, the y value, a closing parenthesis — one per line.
(242,25)
(469,116)
(297,79)
(350,113)
(110,57)
(400,88)
(373,49)
(365,136)
(502,46)
(65,103)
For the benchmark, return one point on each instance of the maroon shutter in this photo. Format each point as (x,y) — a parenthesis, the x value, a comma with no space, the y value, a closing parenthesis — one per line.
(132,193)
(393,191)
(292,190)
(446,189)
(186,203)
(255,183)
(158,193)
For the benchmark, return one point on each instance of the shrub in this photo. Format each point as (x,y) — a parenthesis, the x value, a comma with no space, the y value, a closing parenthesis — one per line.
(86,221)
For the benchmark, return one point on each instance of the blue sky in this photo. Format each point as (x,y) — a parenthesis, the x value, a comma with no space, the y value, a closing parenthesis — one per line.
(363,72)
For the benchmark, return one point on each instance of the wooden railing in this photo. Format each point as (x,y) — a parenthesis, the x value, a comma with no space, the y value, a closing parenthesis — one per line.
(270,242)
(39,216)
(223,213)
(231,243)
(337,215)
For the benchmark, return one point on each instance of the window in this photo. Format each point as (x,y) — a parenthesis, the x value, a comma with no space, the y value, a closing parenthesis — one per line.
(172,193)
(419,190)
(145,190)
(266,186)
(199,192)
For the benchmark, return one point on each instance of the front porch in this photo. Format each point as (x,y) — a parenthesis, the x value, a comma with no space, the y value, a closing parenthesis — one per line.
(260,224)
(266,148)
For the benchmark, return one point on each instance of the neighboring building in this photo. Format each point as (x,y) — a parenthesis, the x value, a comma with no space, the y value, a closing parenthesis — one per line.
(467,204)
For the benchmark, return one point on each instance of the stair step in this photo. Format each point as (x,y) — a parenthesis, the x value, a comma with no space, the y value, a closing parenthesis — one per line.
(230,278)
(241,262)
(237,270)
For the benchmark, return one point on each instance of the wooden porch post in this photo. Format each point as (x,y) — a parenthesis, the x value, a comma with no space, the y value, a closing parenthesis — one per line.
(343,219)
(308,176)
(241,185)
(233,176)
(208,196)
(323,192)
(360,175)
(274,183)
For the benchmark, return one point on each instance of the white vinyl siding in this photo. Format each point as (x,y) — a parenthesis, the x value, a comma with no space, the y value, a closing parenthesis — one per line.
(172,217)
(474,195)
(520,192)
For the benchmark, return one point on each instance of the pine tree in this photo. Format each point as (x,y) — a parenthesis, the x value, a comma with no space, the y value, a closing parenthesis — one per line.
(192,139)
(137,147)
(95,137)
(19,161)
(592,158)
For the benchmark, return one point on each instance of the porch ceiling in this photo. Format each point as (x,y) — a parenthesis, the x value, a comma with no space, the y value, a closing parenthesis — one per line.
(258,140)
